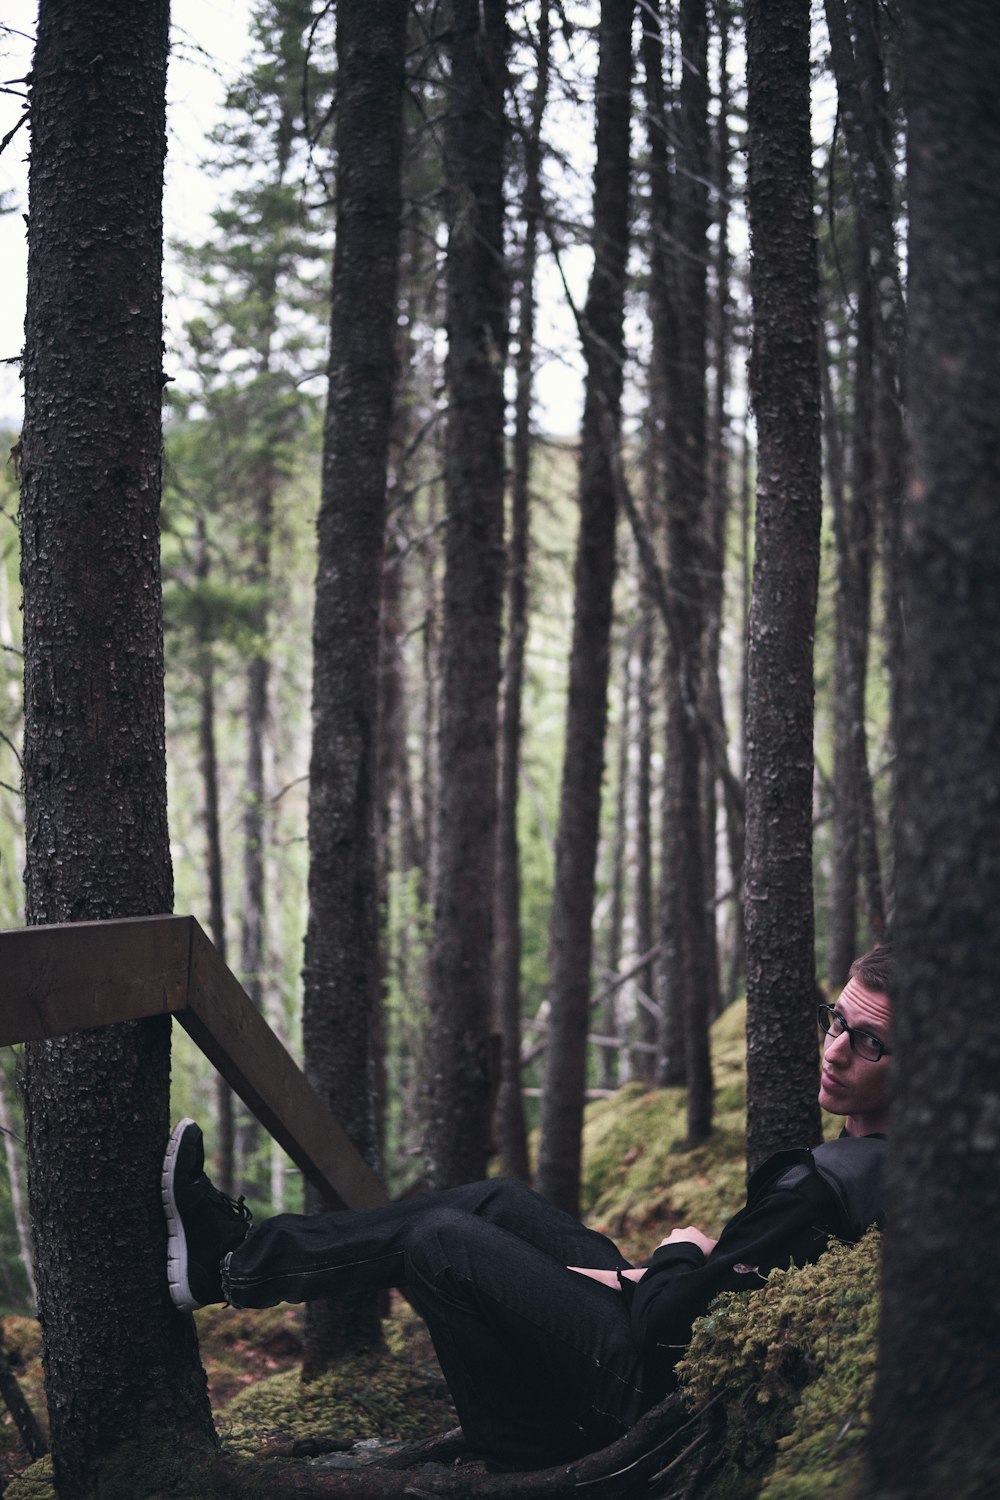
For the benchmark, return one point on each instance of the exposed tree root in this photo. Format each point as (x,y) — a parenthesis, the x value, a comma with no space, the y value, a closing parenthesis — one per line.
(655,1457)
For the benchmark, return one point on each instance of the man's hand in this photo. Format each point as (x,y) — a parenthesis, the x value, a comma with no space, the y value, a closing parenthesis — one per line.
(690,1236)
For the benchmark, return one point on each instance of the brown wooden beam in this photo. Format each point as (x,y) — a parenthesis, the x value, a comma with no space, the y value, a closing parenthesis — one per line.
(235,1037)
(71,976)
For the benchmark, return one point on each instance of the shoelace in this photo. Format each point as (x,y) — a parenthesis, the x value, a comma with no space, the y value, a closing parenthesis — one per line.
(236,1206)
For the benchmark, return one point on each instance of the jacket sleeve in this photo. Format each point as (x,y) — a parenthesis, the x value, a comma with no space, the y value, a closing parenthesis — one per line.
(785,1226)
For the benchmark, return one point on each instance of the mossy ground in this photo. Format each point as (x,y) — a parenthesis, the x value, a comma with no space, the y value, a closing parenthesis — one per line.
(790,1366)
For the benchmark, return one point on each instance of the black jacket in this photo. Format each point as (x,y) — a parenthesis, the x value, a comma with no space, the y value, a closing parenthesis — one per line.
(796,1202)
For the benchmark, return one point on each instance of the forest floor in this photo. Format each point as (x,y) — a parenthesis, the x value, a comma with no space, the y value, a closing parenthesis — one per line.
(252,1362)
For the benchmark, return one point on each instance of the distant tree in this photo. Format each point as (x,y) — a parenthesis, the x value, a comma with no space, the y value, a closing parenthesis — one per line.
(342,970)
(511,1131)
(461,968)
(781,984)
(689,557)
(96,1103)
(858,57)
(255,336)
(933,1429)
(571,943)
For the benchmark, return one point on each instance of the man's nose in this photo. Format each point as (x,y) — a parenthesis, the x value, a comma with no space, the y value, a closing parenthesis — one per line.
(838,1048)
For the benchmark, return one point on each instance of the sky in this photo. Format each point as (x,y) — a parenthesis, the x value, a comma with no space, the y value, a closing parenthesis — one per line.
(209,40)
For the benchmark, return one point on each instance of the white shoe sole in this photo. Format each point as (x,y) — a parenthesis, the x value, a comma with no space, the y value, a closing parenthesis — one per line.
(177,1255)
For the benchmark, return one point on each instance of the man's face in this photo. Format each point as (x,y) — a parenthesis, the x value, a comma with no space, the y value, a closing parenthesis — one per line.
(851,1085)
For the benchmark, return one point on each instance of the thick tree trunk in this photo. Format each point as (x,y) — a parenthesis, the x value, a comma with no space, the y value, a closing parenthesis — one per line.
(462,960)
(570,935)
(934,1430)
(511,1132)
(782,1074)
(341,970)
(97,847)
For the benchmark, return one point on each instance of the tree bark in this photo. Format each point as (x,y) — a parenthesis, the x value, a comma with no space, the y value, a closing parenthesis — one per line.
(341,971)
(462,960)
(853,535)
(570,934)
(860,74)
(224,1176)
(782,1073)
(933,1426)
(688,561)
(96,1103)
(511,1131)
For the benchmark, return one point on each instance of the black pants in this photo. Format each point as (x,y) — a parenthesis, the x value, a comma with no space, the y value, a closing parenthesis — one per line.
(539,1360)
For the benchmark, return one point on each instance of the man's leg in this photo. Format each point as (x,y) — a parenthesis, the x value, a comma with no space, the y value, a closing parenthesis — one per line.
(540,1361)
(297,1257)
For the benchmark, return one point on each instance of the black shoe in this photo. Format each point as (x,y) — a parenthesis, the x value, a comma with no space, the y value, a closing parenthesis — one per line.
(202,1223)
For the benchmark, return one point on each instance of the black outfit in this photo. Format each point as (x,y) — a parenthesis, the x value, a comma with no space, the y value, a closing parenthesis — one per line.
(544,1364)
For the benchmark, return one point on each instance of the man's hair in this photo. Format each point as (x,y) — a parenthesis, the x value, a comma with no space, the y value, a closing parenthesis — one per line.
(877,970)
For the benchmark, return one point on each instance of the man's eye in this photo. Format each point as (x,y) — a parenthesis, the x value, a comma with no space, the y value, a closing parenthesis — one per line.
(867,1040)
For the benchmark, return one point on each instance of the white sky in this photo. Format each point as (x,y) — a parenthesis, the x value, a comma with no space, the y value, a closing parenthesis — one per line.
(209,40)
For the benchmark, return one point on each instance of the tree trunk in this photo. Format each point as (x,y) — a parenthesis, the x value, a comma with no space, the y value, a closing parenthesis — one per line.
(934,1429)
(570,934)
(853,530)
(461,964)
(860,75)
(18,1207)
(224,1176)
(688,561)
(782,1074)
(96,1103)
(511,1131)
(610,1061)
(341,970)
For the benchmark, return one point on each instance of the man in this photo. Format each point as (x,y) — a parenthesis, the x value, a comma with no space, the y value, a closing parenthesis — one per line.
(551,1343)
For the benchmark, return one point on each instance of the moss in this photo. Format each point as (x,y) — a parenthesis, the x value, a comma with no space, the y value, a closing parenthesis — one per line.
(364,1397)
(792,1367)
(34,1484)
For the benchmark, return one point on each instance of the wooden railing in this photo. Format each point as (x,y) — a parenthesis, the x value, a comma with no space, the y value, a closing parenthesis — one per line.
(69,977)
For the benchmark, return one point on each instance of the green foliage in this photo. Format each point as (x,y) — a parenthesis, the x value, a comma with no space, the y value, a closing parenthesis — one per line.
(792,1366)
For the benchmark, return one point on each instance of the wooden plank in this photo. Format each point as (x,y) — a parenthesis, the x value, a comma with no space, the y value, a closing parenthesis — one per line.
(70,976)
(235,1037)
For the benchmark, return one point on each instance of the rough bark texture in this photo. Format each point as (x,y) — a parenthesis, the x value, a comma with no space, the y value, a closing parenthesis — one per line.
(687,560)
(663,295)
(570,937)
(461,963)
(341,969)
(511,1131)
(853,532)
(208,765)
(857,63)
(934,1429)
(96,1102)
(782,1073)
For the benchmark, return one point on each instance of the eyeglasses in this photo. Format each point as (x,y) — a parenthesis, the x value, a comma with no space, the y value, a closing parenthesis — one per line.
(863,1043)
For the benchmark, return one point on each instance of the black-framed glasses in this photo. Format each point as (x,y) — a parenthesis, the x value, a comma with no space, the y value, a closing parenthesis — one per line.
(862,1043)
